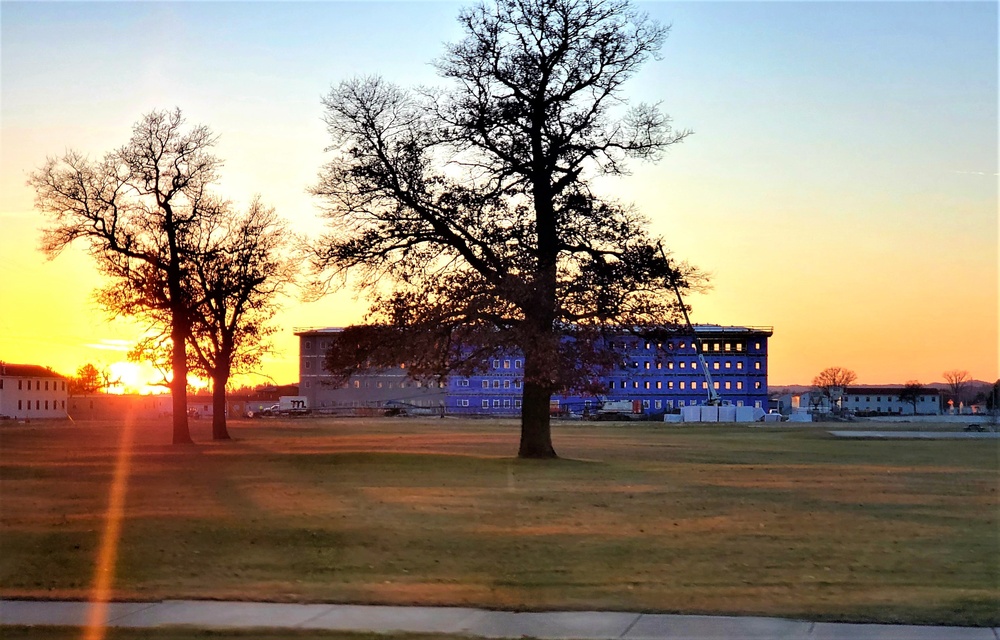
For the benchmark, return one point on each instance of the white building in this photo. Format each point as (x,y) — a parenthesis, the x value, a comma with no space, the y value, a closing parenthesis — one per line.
(31,391)
(886,401)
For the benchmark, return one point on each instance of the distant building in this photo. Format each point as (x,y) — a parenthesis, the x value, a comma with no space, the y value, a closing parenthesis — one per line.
(30,391)
(885,401)
(653,377)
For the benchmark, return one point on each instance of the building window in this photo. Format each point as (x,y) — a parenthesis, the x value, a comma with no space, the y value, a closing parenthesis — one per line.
(463,383)
(611,385)
(739,347)
(682,385)
(645,404)
(729,385)
(517,404)
(496,404)
(19,387)
(506,364)
(46,387)
(658,404)
(670,366)
(517,364)
(635,384)
(757,404)
(729,365)
(756,345)
(517,384)
(682,365)
(357,384)
(715,346)
(739,384)
(756,366)
(496,364)
(646,384)
(38,404)
(463,403)
(506,403)
(704,385)
(716,365)
(309,345)
(715,384)
(680,403)
(670,384)
(18,405)
(506,384)
(46,402)
(496,384)
(646,364)
(756,385)
(308,365)
(739,366)
(659,365)
(486,404)
(379,384)
(659,384)
(486,384)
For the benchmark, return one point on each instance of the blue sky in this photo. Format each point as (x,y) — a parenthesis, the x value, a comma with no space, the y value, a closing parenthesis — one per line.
(841,183)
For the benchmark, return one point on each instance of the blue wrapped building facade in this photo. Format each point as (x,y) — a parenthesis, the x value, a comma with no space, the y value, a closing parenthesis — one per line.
(652,377)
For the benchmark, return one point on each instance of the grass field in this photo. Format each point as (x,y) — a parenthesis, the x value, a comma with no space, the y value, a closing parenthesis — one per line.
(644,517)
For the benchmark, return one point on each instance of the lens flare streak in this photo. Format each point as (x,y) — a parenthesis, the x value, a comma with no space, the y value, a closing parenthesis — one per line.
(108,553)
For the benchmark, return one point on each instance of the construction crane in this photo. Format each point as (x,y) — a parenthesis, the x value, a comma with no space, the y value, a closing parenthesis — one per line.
(713,395)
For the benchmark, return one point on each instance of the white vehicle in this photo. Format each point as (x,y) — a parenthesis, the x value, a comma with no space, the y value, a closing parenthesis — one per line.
(289,405)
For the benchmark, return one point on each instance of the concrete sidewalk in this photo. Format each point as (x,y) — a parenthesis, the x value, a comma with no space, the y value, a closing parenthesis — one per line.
(580,625)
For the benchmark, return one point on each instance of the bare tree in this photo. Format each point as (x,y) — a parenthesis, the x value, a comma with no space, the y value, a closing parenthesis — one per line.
(240,270)
(136,210)
(832,383)
(468,215)
(911,393)
(958,381)
(237,268)
(89,379)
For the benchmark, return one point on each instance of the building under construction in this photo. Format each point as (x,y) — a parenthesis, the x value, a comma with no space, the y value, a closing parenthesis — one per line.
(653,377)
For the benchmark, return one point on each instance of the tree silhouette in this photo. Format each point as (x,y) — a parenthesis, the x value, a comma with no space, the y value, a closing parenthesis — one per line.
(832,382)
(240,271)
(239,268)
(957,381)
(468,214)
(911,393)
(136,209)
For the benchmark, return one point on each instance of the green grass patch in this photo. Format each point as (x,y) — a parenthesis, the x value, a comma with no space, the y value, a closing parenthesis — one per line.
(642,517)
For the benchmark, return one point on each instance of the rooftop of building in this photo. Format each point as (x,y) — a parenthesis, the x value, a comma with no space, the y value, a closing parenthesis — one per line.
(27,371)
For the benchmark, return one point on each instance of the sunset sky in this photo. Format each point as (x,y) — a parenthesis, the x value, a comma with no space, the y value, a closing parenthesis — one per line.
(840,186)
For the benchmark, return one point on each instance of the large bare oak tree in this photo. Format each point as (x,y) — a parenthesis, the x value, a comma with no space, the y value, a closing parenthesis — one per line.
(135,209)
(468,214)
(174,253)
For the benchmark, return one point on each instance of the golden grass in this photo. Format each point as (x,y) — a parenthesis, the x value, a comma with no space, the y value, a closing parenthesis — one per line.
(702,519)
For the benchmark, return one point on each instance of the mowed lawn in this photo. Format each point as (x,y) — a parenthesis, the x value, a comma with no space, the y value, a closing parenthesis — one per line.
(716,519)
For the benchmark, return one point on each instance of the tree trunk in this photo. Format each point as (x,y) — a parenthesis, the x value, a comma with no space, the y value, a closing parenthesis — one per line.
(536,433)
(178,387)
(219,430)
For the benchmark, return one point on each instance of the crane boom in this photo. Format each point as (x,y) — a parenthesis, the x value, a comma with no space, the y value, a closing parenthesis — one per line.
(713,395)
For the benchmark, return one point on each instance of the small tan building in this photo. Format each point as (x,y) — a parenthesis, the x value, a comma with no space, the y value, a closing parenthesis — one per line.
(31,391)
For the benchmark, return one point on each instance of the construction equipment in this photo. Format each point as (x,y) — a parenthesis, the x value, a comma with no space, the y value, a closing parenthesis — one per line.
(713,395)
